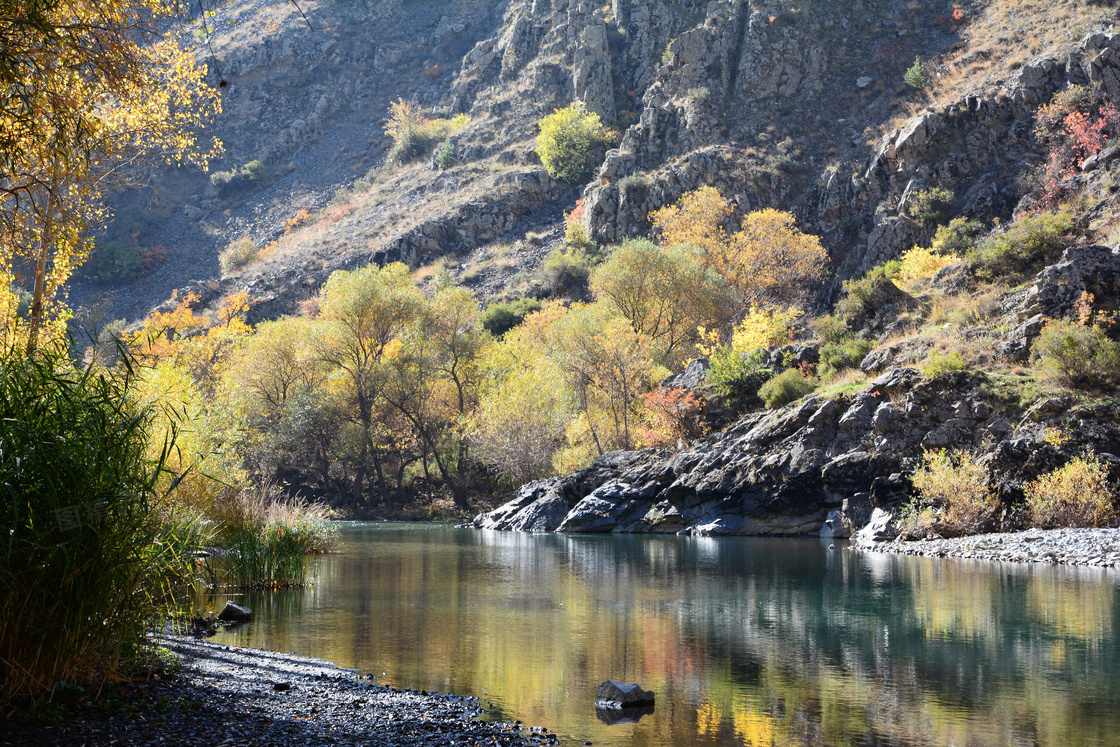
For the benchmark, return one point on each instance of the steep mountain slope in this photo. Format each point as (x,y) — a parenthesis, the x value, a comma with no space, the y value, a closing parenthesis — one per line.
(795,105)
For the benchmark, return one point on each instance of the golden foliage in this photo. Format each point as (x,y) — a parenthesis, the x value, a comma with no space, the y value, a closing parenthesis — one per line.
(764,328)
(768,260)
(957,484)
(1077,494)
(697,219)
(920,263)
(89,95)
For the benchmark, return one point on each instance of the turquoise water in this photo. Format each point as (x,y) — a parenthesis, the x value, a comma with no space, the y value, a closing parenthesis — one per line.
(744,641)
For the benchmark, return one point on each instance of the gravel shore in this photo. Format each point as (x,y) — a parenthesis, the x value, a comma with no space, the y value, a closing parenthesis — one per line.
(1089,547)
(232,696)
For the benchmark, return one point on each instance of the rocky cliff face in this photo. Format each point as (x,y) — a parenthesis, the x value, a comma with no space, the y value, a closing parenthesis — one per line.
(744,74)
(836,459)
(777,105)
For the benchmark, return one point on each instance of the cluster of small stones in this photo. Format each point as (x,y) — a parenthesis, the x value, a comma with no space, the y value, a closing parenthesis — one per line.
(234,696)
(1086,547)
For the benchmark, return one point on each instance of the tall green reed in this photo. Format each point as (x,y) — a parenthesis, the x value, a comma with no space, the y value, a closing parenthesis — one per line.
(89,552)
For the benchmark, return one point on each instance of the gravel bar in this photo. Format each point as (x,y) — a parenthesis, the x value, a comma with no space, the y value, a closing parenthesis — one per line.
(1088,547)
(233,696)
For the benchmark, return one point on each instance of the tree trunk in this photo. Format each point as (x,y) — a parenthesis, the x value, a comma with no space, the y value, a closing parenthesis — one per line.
(41,274)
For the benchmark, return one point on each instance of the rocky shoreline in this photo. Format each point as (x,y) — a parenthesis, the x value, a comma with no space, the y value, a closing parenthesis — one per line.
(1084,547)
(233,696)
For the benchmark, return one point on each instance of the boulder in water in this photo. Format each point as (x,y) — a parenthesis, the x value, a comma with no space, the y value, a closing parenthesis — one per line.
(619,695)
(234,612)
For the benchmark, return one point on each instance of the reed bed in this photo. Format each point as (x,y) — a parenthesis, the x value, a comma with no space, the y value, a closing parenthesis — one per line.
(91,553)
(267,540)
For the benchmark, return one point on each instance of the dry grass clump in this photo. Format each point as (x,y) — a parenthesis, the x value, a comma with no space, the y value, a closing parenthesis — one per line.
(268,538)
(238,254)
(1075,495)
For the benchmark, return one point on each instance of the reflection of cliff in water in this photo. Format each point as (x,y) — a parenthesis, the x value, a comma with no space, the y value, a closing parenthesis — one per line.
(745,641)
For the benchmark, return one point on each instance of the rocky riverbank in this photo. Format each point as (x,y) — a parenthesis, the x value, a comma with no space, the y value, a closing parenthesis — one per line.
(233,696)
(1089,547)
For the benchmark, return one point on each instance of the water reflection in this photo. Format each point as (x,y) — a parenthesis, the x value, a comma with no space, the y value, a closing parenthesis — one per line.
(744,641)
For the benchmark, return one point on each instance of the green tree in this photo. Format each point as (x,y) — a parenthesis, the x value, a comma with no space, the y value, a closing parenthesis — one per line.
(569,141)
(365,313)
(665,294)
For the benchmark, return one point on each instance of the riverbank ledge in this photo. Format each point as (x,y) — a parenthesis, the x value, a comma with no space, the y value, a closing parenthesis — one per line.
(232,696)
(1085,547)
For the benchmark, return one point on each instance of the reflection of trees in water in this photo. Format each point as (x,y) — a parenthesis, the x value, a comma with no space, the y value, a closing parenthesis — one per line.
(745,641)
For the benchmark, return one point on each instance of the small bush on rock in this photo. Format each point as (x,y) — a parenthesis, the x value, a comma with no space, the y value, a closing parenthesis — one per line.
(788,386)
(938,364)
(737,377)
(238,254)
(864,297)
(1025,247)
(1077,356)
(931,205)
(1075,495)
(569,141)
(957,484)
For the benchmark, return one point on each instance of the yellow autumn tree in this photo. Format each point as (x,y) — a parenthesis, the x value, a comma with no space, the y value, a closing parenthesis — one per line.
(697,219)
(91,94)
(769,261)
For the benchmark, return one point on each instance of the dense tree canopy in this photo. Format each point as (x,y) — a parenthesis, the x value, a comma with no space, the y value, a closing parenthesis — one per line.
(90,93)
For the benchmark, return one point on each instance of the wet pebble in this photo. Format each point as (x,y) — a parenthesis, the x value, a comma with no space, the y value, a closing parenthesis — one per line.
(1086,547)
(243,696)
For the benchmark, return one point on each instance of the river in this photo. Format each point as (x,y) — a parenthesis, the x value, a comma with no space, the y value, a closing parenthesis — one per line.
(745,641)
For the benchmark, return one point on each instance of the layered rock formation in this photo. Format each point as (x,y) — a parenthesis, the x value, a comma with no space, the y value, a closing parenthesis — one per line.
(825,463)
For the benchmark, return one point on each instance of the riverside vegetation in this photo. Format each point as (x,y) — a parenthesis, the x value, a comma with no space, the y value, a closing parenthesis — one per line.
(929,324)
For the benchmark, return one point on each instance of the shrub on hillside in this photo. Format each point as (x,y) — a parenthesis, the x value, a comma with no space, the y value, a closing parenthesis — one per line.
(930,205)
(1077,356)
(957,484)
(865,297)
(843,353)
(236,180)
(1025,247)
(788,386)
(570,142)
(737,377)
(920,264)
(565,273)
(416,135)
(238,254)
(1075,495)
(938,364)
(575,233)
(445,156)
(915,76)
(958,237)
(502,316)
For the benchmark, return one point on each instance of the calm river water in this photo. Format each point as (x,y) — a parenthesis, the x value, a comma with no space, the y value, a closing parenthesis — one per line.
(744,641)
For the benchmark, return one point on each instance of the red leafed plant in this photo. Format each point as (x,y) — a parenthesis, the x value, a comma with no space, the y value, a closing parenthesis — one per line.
(672,415)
